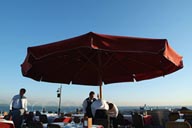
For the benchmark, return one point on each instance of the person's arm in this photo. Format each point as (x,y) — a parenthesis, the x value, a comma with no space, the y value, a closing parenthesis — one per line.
(84,106)
(116,112)
(105,105)
(11,105)
(25,104)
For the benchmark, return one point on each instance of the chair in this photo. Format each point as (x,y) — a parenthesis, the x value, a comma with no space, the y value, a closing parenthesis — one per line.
(122,122)
(173,124)
(35,125)
(58,119)
(77,119)
(159,117)
(137,120)
(29,118)
(37,113)
(188,118)
(53,126)
(67,120)
(6,125)
(173,116)
(64,119)
(101,114)
(102,118)
(43,118)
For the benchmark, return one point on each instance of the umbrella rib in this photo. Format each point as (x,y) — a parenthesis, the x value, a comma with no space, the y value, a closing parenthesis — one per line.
(140,62)
(84,65)
(108,60)
(151,66)
(120,61)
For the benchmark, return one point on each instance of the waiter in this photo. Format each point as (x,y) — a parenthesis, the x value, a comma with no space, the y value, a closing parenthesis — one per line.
(18,108)
(87,104)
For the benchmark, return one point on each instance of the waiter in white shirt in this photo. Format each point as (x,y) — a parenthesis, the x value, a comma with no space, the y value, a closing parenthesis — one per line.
(87,104)
(18,108)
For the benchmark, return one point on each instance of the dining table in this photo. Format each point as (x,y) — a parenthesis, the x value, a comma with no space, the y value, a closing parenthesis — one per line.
(128,117)
(180,120)
(71,125)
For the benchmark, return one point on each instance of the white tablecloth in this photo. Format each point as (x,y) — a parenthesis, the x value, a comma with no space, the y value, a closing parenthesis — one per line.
(6,121)
(71,125)
(128,117)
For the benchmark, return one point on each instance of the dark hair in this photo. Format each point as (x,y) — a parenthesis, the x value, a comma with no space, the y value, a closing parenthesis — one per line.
(91,93)
(110,106)
(23,90)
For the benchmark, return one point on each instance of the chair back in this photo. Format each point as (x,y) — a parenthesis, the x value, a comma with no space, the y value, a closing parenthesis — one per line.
(43,118)
(53,126)
(6,125)
(77,119)
(64,119)
(101,114)
(102,118)
(67,120)
(29,117)
(59,119)
(137,120)
(173,116)
(159,116)
(174,124)
(188,118)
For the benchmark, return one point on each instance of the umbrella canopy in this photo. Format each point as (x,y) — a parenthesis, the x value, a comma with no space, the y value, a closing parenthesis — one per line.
(93,58)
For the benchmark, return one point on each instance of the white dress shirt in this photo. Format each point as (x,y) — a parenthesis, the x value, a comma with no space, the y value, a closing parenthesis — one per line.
(18,102)
(99,104)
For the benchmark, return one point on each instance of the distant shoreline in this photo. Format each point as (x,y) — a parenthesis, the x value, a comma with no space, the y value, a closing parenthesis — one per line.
(53,108)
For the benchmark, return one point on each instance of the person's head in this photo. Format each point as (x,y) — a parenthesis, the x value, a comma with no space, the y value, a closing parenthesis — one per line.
(110,106)
(22,91)
(91,94)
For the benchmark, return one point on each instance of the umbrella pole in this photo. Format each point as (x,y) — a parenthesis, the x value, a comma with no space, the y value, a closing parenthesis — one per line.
(100,87)
(100,90)
(100,77)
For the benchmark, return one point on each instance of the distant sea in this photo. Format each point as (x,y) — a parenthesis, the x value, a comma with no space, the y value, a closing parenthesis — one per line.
(69,109)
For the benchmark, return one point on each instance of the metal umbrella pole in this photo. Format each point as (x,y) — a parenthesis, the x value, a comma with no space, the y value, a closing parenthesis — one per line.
(59,90)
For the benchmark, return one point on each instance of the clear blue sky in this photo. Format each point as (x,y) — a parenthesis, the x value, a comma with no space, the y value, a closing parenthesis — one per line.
(25,23)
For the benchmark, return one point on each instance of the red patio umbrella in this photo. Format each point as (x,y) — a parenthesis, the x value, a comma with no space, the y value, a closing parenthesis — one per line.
(93,59)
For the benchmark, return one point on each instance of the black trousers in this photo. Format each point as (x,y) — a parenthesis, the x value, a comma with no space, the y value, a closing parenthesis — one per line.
(17,117)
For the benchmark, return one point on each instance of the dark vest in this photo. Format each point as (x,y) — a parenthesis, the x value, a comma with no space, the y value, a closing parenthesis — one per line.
(88,108)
